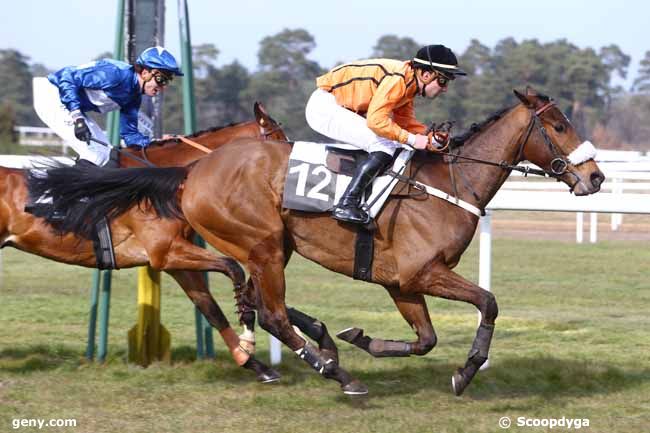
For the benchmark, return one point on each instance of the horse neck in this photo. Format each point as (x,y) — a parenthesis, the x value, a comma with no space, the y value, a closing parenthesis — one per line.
(176,153)
(499,141)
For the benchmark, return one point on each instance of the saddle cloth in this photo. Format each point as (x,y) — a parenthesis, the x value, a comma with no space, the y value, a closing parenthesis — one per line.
(311,186)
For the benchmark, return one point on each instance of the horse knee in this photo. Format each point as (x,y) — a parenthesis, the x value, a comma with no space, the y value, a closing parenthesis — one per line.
(489,307)
(425,344)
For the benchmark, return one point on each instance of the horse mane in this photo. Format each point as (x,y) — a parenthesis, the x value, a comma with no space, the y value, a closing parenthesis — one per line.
(475,128)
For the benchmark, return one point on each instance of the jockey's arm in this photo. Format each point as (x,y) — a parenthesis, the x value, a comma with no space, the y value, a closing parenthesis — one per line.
(404,116)
(381,110)
(129,128)
(72,81)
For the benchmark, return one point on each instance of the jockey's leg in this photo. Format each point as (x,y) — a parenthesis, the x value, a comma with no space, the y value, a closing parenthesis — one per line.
(415,312)
(349,207)
(53,113)
(325,116)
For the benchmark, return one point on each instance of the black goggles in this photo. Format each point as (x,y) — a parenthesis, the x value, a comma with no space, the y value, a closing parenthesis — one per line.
(442,79)
(162,79)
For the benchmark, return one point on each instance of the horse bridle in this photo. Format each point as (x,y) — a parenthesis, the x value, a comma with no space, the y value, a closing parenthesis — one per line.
(558,164)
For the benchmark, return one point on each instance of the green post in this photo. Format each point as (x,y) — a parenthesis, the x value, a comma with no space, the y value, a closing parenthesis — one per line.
(104,307)
(113,129)
(204,338)
(92,322)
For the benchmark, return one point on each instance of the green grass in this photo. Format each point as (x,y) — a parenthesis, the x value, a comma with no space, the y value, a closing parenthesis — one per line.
(571,340)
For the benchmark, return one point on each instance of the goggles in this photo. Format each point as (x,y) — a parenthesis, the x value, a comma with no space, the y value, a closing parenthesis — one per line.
(442,79)
(162,79)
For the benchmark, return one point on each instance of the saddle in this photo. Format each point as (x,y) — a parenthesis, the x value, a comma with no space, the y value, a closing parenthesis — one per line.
(345,161)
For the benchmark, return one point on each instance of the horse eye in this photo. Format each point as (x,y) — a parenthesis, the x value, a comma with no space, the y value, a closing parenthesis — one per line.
(559,128)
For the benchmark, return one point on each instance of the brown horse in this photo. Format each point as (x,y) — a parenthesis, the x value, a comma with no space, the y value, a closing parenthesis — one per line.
(234,201)
(141,238)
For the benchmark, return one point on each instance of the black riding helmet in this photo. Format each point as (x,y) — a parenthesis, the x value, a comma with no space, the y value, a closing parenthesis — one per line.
(437,58)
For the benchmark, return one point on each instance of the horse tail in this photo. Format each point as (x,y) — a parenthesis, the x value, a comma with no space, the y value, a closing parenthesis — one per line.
(86,194)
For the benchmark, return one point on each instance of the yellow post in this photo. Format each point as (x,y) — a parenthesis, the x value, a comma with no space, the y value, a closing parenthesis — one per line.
(148,340)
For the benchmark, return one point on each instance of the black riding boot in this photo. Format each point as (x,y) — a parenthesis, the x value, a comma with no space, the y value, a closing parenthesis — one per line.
(348,208)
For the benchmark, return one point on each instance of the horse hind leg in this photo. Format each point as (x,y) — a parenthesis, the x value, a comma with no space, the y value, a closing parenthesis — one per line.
(246,305)
(438,280)
(194,285)
(316,330)
(414,310)
(266,266)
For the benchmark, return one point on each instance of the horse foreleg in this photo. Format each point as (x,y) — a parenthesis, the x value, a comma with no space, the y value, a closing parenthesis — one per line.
(436,279)
(414,310)
(266,266)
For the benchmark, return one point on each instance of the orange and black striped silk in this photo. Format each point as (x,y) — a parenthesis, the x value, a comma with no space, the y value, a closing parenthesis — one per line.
(381,89)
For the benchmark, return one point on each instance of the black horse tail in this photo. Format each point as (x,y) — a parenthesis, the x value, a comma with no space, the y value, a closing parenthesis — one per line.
(86,194)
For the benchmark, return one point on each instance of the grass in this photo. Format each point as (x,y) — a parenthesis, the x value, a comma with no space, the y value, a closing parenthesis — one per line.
(571,340)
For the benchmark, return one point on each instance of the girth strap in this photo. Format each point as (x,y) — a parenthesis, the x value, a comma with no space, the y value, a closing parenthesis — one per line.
(364,249)
(103,245)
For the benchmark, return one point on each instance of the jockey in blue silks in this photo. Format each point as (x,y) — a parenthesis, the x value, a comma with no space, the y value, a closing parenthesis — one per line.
(63,99)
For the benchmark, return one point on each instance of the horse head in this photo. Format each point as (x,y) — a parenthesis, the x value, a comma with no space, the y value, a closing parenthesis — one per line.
(269,128)
(552,143)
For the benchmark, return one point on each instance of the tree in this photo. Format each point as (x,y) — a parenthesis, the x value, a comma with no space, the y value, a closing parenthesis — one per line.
(286,52)
(8,138)
(16,88)
(394,47)
(286,79)
(642,81)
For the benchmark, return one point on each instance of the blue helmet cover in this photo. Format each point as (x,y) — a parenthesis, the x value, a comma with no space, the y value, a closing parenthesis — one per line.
(159,58)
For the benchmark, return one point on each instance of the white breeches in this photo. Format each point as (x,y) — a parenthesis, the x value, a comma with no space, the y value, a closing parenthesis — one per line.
(327,117)
(53,113)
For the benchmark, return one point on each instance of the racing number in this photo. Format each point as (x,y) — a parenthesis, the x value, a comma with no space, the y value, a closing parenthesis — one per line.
(303,172)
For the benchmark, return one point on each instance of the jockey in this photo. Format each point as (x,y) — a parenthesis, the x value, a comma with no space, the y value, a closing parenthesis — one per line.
(369,104)
(63,99)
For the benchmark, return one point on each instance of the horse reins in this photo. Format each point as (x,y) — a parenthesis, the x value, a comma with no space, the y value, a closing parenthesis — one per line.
(558,164)
(534,121)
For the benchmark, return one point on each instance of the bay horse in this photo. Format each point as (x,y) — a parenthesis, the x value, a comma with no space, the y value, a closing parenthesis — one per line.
(140,238)
(233,199)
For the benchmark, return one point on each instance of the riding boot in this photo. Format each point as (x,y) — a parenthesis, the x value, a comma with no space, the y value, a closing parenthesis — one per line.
(348,209)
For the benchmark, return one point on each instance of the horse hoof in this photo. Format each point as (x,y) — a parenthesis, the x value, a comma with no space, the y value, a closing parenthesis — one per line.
(268,376)
(458,382)
(349,334)
(355,388)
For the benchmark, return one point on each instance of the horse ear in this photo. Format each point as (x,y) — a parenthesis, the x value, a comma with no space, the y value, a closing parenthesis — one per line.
(261,116)
(523,98)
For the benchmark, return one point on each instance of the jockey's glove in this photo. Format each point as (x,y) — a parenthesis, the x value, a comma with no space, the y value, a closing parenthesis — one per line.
(81,130)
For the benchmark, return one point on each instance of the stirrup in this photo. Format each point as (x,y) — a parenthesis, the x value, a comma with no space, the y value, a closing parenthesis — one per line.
(348,215)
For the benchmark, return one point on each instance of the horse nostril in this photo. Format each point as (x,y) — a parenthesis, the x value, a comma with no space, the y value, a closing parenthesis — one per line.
(597,179)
